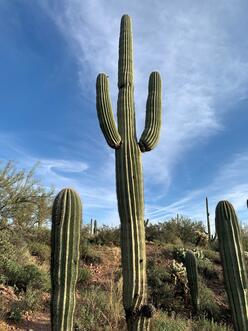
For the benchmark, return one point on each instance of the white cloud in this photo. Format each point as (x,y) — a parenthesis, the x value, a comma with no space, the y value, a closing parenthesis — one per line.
(202,57)
(193,46)
(229,183)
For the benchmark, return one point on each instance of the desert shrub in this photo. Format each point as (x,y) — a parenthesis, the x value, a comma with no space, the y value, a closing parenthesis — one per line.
(208,269)
(11,248)
(208,305)
(42,251)
(106,236)
(30,275)
(163,322)
(160,287)
(97,309)
(90,256)
(15,314)
(176,230)
(84,276)
(212,255)
(40,235)
(209,325)
(30,300)
(244,236)
(24,276)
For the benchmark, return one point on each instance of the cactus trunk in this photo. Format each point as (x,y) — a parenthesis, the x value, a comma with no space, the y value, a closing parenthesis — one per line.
(66,225)
(129,178)
(192,275)
(232,260)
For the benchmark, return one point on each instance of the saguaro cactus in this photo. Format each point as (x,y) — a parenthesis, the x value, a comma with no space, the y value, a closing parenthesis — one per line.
(66,225)
(192,275)
(208,220)
(232,260)
(129,179)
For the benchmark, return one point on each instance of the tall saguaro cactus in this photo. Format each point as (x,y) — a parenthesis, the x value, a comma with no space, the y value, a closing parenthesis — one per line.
(232,260)
(66,225)
(129,179)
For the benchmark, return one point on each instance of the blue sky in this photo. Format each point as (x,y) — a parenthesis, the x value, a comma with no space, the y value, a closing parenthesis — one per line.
(51,52)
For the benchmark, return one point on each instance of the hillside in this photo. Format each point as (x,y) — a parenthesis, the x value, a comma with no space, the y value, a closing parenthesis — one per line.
(25,282)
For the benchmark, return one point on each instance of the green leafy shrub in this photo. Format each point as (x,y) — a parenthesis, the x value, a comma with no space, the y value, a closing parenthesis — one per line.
(163,322)
(212,255)
(40,235)
(208,305)
(84,276)
(160,287)
(209,325)
(15,314)
(106,236)
(24,276)
(42,251)
(31,300)
(98,308)
(208,269)
(89,256)
(175,229)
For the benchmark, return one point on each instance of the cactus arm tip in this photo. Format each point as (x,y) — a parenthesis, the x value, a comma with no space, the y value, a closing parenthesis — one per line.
(150,136)
(105,114)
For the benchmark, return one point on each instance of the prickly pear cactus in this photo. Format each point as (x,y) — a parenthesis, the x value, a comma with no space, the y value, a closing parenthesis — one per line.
(66,225)
(232,260)
(129,179)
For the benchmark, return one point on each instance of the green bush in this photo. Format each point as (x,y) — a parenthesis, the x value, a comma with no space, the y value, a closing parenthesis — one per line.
(24,276)
(212,255)
(97,309)
(40,235)
(208,305)
(15,314)
(210,325)
(208,269)
(30,300)
(106,236)
(160,287)
(89,256)
(162,322)
(175,229)
(84,276)
(42,251)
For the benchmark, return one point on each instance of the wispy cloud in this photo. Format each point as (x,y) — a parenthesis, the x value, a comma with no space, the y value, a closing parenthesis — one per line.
(99,199)
(229,183)
(203,60)
(192,46)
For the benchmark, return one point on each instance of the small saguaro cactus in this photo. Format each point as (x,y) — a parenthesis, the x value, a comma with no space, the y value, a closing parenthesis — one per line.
(129,179)
(192,275)
(65,237)
(232,260)
(208,220)
(95,226)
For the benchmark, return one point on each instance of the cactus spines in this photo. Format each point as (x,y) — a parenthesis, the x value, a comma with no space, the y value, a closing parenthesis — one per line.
(129,179)
(192,275)
(66,225)
(232,259)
